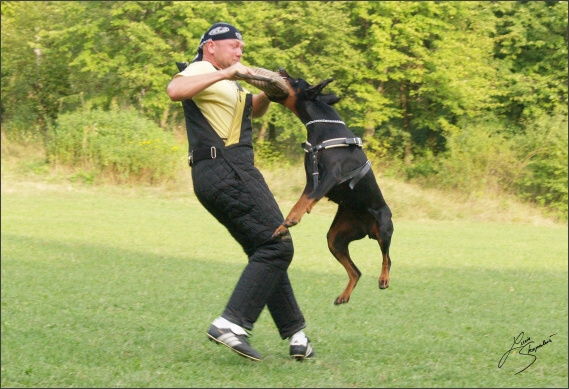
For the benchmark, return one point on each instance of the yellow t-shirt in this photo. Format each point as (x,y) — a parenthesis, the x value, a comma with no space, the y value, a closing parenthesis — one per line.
(218,102)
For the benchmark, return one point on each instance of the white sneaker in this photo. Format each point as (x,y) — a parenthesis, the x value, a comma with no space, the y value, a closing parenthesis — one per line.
(300,347)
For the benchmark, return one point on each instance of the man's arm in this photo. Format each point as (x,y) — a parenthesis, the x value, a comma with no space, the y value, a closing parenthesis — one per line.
(183,88)
(260,104)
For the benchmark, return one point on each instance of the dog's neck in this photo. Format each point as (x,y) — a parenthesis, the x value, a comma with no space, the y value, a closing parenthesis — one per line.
(316,112)
(322,122)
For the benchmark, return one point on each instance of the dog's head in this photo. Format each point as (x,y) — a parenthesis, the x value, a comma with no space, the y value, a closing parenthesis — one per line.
(303,91)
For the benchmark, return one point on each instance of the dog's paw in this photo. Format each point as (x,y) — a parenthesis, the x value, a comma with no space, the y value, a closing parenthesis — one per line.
(280,231)
(341,300)
(290,222)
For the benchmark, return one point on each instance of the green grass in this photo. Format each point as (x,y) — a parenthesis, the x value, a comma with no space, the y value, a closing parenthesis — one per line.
(115,288)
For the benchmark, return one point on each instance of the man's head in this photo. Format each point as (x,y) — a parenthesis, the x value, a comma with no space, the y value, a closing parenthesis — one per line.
(222,45)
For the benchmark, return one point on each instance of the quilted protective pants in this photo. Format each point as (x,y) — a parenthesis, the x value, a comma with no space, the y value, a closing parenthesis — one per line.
(233,190)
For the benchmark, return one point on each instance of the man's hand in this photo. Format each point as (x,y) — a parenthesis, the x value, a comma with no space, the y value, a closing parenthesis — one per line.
(272,83)
(235,69)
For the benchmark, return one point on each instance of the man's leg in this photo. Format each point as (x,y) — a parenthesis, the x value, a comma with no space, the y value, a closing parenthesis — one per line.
(284,309)
(259,280)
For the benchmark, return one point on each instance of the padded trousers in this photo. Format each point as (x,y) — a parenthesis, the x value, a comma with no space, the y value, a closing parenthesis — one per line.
(233,190)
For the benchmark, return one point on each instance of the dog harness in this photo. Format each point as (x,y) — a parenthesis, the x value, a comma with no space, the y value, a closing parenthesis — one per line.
(354,175)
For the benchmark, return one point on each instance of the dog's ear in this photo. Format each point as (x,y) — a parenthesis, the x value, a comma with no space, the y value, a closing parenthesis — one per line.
(315,90)
(283,73)
(329,98)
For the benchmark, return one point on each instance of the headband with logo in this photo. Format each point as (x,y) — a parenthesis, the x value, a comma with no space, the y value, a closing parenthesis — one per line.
(217,32)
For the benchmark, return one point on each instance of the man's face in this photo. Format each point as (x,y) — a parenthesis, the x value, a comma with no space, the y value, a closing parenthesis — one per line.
(226,52)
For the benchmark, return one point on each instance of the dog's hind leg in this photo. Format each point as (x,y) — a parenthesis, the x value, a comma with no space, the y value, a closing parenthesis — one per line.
(345,228)
(382,231)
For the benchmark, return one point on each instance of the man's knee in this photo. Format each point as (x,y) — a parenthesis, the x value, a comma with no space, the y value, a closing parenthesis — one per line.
(278,253)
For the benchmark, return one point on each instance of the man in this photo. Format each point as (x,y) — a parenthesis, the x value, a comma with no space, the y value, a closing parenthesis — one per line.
(218,122)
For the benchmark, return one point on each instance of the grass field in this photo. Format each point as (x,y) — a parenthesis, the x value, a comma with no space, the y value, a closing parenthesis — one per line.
(116,288)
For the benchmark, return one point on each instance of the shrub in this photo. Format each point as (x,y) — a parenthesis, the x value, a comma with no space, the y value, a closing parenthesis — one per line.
(484,158)
(543,147)
(118,144)
(268,155)
(479,159)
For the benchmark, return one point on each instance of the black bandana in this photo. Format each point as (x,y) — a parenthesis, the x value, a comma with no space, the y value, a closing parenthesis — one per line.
(217,32)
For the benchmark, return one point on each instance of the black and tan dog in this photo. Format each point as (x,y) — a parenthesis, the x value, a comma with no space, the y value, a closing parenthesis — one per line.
(337,168)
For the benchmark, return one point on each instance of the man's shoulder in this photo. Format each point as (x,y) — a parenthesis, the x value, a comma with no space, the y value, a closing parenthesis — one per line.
(198,67)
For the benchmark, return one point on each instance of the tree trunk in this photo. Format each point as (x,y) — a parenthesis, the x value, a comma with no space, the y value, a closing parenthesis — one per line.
(272,132)
(262,133)
(406,125)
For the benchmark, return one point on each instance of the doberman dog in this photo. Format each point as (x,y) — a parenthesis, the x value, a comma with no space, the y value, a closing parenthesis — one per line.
(337,168)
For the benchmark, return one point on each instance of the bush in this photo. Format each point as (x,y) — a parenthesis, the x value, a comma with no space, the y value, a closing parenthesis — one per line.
(484,158)
(543,147)
(268,155)
(479,159)
(119,144)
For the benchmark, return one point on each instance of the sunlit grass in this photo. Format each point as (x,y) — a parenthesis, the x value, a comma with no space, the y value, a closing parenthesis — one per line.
(115,287)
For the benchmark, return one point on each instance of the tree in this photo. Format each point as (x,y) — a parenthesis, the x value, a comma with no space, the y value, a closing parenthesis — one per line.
(416,77)
(430,64)
(531,46)
(34,73)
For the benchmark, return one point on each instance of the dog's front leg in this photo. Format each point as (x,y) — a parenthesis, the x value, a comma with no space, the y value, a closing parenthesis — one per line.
(302,206)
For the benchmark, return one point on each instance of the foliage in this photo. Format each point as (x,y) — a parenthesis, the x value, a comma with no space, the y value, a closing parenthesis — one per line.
(414,76)
(268,155)
(531,45)
(479,159)
(35,76)
(119,144)
(544,150)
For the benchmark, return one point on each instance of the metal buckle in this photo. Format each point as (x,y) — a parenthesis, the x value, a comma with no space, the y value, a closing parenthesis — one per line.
(213,152)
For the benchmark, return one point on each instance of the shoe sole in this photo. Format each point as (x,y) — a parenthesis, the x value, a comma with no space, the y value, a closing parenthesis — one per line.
(300,357)
(213,339)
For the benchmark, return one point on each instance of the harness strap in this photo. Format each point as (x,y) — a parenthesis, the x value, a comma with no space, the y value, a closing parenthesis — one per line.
(336,142)
(357,174)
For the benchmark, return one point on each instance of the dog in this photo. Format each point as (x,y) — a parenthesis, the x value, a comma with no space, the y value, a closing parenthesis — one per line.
(337,168)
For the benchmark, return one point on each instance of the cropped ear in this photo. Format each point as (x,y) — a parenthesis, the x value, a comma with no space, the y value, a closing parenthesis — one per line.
(283,73)
(181,65)
(314,90)
(329,98)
